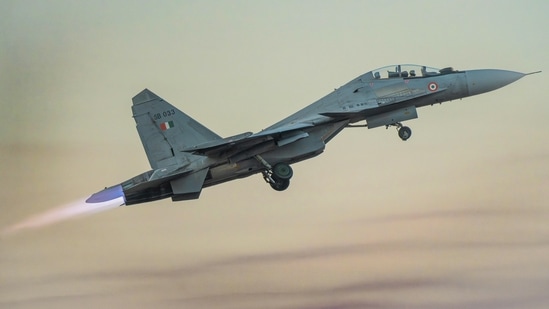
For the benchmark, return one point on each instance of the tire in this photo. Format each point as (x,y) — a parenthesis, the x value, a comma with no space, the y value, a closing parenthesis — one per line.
(281,185)
(282,171)
(404,133)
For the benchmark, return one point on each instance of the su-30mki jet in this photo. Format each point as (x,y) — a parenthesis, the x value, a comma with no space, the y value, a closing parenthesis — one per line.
(186,157)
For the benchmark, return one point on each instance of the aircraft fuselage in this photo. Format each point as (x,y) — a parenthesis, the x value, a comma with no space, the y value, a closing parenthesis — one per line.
(185,156)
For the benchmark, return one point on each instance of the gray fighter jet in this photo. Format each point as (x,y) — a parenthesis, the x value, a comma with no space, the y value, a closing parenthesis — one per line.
(185,156)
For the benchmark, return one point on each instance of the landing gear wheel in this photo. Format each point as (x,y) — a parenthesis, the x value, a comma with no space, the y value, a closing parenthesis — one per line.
(282,171)
(280,184)
(278,176)
(404,133)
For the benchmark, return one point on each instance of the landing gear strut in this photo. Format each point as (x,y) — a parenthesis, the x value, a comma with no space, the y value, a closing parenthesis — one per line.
(277,176)
(403,132)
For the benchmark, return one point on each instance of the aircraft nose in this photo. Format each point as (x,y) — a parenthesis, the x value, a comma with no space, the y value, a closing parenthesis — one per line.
(480,81)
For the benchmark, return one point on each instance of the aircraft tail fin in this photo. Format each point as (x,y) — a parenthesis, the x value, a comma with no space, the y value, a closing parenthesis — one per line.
(165,131)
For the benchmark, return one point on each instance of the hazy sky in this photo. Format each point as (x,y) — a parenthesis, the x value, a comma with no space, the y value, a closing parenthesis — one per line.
(456,217)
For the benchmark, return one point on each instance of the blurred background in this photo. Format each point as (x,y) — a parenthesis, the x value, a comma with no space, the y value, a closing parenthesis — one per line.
(456,217)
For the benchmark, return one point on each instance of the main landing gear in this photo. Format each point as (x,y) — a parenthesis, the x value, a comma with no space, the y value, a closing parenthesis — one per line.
(403,132)
(278,176)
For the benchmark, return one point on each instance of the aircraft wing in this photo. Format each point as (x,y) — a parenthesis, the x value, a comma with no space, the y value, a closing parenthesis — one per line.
(218,142)
(283,129)
(281,135)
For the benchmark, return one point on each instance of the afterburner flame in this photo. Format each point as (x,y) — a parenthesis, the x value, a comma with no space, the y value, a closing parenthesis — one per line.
(69,211)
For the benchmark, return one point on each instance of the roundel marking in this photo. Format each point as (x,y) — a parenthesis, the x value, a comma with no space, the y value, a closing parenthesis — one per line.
(432,86)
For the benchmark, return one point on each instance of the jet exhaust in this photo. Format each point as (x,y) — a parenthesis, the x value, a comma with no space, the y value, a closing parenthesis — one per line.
(109,198)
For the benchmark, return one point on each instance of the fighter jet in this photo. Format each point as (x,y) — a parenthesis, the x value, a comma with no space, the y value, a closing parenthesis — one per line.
(185,156)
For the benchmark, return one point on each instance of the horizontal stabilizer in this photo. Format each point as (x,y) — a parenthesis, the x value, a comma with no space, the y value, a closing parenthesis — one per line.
(189,186)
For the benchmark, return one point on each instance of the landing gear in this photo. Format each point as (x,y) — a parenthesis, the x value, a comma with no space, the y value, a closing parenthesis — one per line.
(281,174)
(277,176)
(282,171)
(403,132)
(280,185)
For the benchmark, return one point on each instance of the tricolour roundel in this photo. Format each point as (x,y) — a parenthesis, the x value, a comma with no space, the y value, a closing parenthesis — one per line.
(432,86)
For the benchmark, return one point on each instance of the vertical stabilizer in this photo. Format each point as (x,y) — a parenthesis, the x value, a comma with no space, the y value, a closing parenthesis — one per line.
(164,130)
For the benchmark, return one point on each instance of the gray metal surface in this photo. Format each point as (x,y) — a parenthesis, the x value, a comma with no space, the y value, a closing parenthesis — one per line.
(185,156)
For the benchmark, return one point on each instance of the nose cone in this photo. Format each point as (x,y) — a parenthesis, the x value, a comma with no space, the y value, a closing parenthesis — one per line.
(480,81)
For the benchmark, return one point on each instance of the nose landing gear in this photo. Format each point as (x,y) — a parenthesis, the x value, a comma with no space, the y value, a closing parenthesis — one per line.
(403,132)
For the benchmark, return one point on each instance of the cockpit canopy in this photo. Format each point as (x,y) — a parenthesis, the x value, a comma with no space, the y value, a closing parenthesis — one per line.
(408,71)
